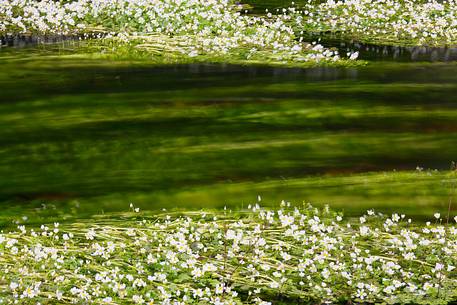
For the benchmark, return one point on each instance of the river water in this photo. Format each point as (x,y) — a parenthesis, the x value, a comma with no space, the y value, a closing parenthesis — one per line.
(96,135)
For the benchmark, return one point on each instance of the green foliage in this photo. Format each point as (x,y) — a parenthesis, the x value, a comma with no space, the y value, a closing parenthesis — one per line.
(400,23)
(255,256)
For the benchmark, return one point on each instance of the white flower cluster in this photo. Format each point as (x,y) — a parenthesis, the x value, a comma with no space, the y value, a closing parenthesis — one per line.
(196,27)
(410,22)
(231,258)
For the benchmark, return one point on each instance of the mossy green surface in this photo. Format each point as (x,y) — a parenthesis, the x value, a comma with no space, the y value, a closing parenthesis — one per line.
(102,133)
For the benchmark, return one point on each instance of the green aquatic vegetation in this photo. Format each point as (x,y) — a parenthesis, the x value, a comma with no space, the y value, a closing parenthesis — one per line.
(418,193)
(162,49)
(189,30)
(252,256)
(404,23)
(99,132)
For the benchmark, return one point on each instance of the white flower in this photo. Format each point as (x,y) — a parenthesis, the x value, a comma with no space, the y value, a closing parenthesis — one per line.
(409,256)
(395,217)
(208,267)
(427,286)
(354,56)
(30,292)
(137,299)
(219,289)
(389,289)
(75,290)
(274,285)
(193,53)
(438,267)
(230,234)
(286,220)
(90,234)
(197,272)
(364,231)
(59,295)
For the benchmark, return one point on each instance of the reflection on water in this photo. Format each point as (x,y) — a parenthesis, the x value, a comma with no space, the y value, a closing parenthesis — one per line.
(103,134)
(370,52)
(374,52)
(21,41)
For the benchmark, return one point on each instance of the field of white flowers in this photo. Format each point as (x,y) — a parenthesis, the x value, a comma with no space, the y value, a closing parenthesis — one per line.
(219,29)
(391,22)
(257,256)
(185,28)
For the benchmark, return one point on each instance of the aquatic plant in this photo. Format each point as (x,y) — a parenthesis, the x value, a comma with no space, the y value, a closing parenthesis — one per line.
(255,256)
(405,22)
(185,28)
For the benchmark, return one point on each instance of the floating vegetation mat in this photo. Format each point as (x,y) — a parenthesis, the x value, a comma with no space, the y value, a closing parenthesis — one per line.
(386,22)
(257,256)
(179,30)
(219,31)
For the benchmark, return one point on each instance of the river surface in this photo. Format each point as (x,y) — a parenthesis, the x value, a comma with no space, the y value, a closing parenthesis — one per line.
(96,135)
